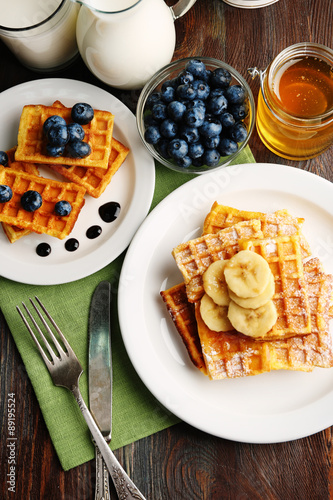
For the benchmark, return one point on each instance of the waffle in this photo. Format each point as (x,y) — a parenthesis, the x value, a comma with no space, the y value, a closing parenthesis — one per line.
(14,233)
(231,354)
(279,223)
(284,257)
(95,180)
(182,314)
(195,256)
(31,141)
(43,220)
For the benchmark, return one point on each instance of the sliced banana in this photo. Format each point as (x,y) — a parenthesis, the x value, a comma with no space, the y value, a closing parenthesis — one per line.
(214,283)
(252,322)
(259,300)
(215,317)
(247,274)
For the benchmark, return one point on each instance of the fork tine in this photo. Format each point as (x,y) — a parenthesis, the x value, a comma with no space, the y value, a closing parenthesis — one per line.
(54,339)
(41,350)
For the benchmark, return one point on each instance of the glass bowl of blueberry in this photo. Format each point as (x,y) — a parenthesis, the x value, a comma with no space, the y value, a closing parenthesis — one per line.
(195,115)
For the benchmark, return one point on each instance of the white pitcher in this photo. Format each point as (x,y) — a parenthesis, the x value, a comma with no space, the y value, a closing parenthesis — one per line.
(124,42)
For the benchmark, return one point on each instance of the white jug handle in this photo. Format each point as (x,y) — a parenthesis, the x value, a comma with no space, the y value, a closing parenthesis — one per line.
(181,7)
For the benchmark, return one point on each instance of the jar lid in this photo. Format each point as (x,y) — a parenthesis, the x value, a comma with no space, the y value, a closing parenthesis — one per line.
(250,4)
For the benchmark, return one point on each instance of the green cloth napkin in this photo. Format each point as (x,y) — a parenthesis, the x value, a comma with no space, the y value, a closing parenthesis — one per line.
(136,413)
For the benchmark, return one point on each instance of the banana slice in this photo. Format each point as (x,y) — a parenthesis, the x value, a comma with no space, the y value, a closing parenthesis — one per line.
(252,322)
(247,274)
(214,283)
(259,300)
(215,317)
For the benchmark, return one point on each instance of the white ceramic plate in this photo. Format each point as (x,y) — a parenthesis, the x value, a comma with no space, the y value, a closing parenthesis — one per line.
(250,4)
(272,407)
(132,187)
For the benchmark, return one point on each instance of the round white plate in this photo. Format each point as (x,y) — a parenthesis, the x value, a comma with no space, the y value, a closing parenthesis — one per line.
(272,407)
(132,187)
(250,4)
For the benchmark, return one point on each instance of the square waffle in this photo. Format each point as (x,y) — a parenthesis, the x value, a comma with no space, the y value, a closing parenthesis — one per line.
(182,314)
(43,220)
(284,258)
(14,233)
(31,141)
(195,256)
(275,224)
(231,354)
(95,180)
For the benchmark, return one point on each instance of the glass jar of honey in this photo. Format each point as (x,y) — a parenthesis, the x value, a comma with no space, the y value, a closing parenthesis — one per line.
(295,102)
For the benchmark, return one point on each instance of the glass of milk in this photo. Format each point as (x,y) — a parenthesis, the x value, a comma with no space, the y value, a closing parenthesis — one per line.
(41,33)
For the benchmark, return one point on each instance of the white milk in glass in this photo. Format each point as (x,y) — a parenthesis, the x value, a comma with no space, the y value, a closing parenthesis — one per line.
(124,49)
(41,33)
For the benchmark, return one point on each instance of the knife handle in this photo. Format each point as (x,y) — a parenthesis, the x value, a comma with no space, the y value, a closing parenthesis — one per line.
(125,487)
(102,488)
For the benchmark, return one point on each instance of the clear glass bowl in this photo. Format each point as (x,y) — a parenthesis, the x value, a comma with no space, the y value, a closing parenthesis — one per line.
(168,73)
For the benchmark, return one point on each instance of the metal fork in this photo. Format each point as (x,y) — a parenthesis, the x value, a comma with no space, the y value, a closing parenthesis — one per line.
(65,371)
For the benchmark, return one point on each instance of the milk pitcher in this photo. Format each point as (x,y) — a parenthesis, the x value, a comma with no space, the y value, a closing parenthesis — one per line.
(124,42)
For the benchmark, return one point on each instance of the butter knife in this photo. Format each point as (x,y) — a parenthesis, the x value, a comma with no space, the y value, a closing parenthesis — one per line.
(100,377)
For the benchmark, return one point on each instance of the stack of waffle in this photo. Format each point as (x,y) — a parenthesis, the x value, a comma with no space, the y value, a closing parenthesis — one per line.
(300,339)
(90,175)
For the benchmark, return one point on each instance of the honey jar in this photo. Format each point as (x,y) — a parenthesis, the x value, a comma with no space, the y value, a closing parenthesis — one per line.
(295,102)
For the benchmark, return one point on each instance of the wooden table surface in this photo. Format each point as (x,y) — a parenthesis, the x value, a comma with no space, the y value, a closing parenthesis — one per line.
(183,462)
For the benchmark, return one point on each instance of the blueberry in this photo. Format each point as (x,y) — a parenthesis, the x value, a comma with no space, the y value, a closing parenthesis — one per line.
(196,103)
(220,77)
(235,94)
(178,148)
(227,120)
(162,148)
(211,142)
(3,158)
(195,150)
(189,134)
(75,131)
(53,120)
(216,92)
(57,135)
(168,128)
(152,134)
(152,99)
(168,94)
(227,146)
(184,162)
(82,113)
(149,120)
(238,132)
(194,117)
(185,77)
(55,151)
(197,68)
(78,149)
(169,83)
(216,105)
(210,127)
(6,193)
(211,157)
(239,111)
(31,201)
(186,91)
(159,111)
(176,110)
(202,89)
(63,208)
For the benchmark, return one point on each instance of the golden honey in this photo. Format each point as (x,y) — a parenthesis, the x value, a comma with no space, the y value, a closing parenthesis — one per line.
(295,102)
